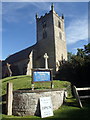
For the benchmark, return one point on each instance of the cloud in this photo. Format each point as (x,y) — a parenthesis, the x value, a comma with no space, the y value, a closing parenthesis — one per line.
(41,6)
(77,30)
(73,47)
(12,12)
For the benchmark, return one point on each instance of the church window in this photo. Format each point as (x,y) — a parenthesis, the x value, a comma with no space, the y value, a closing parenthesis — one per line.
(44,24)
(60,35)
(59,24)
(44,34)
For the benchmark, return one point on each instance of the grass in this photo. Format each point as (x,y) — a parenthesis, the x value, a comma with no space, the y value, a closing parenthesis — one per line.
(69,111)
(24,82)
(19,82)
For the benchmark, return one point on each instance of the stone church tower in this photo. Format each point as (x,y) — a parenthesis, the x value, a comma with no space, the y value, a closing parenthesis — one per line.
(50,40)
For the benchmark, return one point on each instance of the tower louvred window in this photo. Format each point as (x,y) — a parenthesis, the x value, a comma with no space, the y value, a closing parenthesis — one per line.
(44,24)
(59,24)
(44,34)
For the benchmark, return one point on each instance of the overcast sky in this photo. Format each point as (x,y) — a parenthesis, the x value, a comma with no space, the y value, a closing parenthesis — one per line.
(19,25)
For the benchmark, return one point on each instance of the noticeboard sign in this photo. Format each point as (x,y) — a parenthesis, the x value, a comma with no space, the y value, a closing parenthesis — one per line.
(42,75)
(46,107)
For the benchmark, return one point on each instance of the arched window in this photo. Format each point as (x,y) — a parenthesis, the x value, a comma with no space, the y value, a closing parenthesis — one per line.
(44,24)
(59,24)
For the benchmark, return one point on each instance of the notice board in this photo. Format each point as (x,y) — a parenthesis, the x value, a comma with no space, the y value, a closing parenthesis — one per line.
(39,76)
(42,75)
(46,107)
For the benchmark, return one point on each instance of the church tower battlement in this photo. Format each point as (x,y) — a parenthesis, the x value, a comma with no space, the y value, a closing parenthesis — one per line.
(51,38)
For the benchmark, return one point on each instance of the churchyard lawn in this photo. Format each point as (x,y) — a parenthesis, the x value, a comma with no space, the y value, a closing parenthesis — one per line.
(69,111)
(24,82)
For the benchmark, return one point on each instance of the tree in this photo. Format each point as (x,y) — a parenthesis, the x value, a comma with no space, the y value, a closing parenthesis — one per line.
(87,49)
(76,69)
(80,52)
(69,55)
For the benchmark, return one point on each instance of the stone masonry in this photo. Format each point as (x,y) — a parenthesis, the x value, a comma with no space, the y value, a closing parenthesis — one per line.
(26,102)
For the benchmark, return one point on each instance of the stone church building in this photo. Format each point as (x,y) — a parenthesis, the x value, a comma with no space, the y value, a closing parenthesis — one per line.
(50,39)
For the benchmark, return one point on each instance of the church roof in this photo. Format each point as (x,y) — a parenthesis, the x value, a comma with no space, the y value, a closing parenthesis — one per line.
(21,55)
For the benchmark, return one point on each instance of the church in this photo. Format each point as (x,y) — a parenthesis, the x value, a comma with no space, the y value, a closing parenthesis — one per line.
(50,39)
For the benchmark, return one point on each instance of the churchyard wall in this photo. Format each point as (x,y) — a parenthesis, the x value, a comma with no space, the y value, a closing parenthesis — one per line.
(26,102)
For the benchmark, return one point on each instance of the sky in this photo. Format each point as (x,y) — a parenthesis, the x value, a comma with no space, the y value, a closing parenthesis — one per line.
(19,24)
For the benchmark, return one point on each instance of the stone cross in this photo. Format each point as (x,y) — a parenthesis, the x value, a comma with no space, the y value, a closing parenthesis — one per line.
(46,60)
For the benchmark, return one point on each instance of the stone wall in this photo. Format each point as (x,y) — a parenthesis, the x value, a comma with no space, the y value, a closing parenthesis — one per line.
(60,40)
(45,45)
(26,102)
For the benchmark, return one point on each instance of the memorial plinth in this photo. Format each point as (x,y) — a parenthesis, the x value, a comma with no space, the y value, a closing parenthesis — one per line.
(26,102)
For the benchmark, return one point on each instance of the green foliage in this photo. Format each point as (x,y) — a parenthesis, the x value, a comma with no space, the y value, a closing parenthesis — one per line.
(69,55)
(76,69)
(19,82)
(80,53)
(87,48)
(85,51)
(82,58)
(77,61)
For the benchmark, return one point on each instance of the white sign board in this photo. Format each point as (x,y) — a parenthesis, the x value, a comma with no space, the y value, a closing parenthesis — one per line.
(46,107)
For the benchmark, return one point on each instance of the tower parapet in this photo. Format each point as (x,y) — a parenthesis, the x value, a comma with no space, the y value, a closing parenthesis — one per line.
(52,7)
(51,11)
(36,15)
(62,16)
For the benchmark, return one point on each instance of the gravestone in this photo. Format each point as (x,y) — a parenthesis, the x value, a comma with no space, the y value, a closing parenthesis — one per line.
(9,69)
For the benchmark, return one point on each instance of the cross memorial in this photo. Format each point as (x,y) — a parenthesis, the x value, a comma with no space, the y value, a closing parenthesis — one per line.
(46,60)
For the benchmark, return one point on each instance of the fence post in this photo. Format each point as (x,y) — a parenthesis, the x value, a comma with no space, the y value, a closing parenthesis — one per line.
(9,98)
(77,96)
